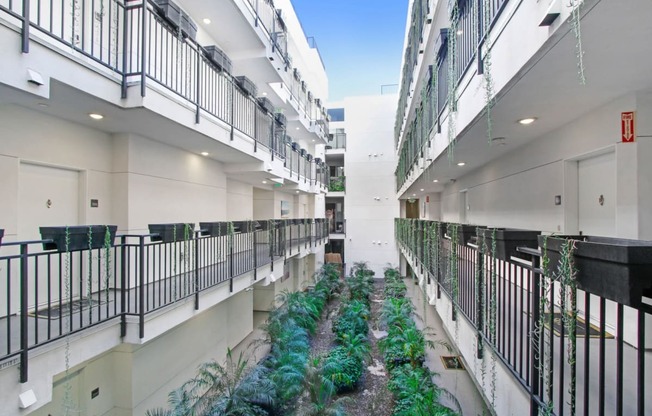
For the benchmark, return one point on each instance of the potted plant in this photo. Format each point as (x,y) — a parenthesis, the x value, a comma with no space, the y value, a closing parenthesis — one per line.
(507,240)
(170,233)
(80,237)
(615,268)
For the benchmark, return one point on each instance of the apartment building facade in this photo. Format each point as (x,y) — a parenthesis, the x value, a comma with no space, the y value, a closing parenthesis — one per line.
(202,119)
(521,115)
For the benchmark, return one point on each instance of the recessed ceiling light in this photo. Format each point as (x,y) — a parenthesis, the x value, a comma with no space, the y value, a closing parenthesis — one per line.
(421,189)
(414,194)
(435,180)
(207,21)
(264,181)
(96,116)
(297,191)
(461,163)
(460,32)
(264,94)
(528,120)
(204,153)
(43,105)
(297,128)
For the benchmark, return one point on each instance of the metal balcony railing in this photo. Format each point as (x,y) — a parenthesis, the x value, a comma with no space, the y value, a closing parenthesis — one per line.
(49,295)
(337,140)
(138,45)
(472,21)
(563,344)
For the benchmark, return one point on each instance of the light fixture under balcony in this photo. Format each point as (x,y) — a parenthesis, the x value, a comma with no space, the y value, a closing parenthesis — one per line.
(421,190)
(207,21)
(461,163)
(265,182)
(435,180)
(96,116)
(460,32)
(526,121)
(204,153)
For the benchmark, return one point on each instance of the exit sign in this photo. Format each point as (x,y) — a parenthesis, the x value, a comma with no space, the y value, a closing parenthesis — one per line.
(627,126)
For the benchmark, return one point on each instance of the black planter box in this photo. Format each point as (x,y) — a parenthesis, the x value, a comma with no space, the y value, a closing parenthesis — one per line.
(245,226)
(246,85)
(465,232)
(219,58)
(170,11)
(78,238)
(188,26)
(165,233)
(281,119)
(507,240)
(615,268)
(266,104)
(213,229)
(2,234)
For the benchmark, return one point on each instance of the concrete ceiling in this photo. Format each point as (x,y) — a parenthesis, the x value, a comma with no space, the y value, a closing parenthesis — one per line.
(615,36)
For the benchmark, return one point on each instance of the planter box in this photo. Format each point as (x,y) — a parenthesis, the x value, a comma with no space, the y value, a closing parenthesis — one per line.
(281,119)
(615,268)
(78,238)
(219,58)
(188,26)
(213,229)
(2,234)
(266,104)
(246,85)
(507,239)
(465,232)
(170,11)
(166,232)
(241,226)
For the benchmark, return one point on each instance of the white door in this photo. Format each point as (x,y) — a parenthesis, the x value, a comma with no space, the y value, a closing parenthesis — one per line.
(597,195)
(47,196)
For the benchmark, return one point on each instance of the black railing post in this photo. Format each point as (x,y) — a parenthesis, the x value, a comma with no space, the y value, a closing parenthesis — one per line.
(536,315)
(196,272)
(24,41)
(230,237)
(123,287)
(198,85)
(141,289)
(480,26)
(255,257)
(232,109)
(125,39)
(143,49)
(23,313)
(480,303)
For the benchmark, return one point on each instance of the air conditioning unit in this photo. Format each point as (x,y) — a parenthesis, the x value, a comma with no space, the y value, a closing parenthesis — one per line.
(218,57)
(266,104)
(246,85)
(170,11)
(281,119)
(188,26)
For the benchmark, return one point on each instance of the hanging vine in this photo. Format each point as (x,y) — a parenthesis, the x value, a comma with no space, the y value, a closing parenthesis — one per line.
(567,274)
(68,405)
(186,256)
(107,260)
(577,31)
(480,273)
(541,346)
(489,91)
(493,307)
(452,77)
(89,283)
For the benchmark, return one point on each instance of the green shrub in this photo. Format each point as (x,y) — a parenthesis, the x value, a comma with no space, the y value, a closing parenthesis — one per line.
(353,318)
(342,369)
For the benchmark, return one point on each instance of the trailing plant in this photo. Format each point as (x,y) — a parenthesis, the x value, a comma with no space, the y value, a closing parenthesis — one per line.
(489,90)
(452,77)
(568,291)
(577,31)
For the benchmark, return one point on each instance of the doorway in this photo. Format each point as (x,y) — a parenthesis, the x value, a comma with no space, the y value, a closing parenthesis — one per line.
(412,208)
(597,195)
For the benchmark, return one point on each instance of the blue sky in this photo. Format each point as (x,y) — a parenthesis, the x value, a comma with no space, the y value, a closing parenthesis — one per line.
(360,41)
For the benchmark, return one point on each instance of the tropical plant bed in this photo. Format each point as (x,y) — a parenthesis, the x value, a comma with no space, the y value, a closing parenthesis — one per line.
(371,395)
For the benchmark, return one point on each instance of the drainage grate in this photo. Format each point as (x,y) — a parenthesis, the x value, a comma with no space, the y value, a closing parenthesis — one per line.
(452,362)
(56,312)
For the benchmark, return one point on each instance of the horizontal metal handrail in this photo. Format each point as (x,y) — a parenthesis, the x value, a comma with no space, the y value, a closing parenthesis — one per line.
(52,294)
